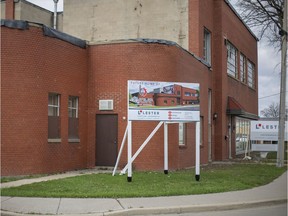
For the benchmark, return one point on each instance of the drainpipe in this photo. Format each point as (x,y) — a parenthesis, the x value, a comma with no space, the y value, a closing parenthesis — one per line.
(55,14)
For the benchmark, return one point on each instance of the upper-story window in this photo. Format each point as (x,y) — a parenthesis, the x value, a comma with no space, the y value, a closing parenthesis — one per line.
(243,68)
(207,46)
(73,107)
(251,74)
(231,60)
(53,104)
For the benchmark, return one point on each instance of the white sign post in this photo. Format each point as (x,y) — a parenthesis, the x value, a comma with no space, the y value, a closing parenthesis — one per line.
(129,152)
(165,148)
(166,102)
(197,161)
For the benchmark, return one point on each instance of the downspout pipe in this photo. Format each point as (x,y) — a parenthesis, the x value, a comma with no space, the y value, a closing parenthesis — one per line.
(55,14)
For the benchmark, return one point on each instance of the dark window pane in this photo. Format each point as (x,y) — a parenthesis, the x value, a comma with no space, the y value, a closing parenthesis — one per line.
(53,127)
(73,128)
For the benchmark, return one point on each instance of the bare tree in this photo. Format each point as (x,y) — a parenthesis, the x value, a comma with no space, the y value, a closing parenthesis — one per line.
(266,16)
(272,111)
(270,16)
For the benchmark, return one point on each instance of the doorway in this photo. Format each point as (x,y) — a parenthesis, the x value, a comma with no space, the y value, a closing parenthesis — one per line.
(106,140)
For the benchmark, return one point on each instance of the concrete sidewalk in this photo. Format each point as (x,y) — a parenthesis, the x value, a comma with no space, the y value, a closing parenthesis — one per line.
(56,176)
(273,193)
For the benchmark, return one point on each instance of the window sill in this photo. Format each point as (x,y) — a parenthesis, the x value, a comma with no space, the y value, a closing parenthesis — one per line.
(54,140)
(182,146)
(233,77)
(252,88)
(74,140)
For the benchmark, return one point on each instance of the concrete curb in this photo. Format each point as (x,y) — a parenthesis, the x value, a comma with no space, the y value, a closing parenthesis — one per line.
(274,193)
(171,210)
(194,209)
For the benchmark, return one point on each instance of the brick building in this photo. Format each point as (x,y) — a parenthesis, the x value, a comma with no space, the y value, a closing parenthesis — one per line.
(83,88)
(176,94)
(25,10)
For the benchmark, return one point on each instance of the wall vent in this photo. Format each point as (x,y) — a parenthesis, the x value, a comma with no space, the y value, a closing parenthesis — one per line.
(105,104)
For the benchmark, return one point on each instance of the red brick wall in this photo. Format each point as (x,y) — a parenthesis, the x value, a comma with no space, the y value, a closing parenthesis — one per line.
(33,65)
(246,44)
(221,21)
(110,68)
(9,9)
(194,29)
(166,100)
(200,17)
(228,26)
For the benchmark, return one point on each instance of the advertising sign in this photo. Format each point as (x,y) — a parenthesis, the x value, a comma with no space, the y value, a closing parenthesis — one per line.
(266,130)
(163,101)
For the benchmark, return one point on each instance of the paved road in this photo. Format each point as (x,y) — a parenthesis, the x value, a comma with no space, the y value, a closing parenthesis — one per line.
(275,210)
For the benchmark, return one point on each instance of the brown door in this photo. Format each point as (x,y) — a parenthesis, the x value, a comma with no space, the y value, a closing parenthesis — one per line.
(106,140)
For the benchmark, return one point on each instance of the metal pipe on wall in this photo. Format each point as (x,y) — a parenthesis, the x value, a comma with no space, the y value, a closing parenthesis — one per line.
(55,14)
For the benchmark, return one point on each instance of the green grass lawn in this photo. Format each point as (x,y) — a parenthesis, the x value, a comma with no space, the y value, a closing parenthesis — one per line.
(216,178)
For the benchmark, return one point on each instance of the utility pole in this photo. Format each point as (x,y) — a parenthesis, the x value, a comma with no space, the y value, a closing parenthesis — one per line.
(281,132)
(55,14)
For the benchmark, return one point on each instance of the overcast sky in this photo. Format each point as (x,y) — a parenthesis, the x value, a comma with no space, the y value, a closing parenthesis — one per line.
(268,64)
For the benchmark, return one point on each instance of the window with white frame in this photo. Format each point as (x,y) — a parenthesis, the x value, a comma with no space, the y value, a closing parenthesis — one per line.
(53,116)
(73,122)
(53,104)
(181,133)
(231,60)
(73,107)
(207,46)
(242,68)
(251,74)
(242,135)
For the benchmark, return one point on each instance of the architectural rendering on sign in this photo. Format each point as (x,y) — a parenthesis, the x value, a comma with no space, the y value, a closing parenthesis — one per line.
(64,93)
(163,101)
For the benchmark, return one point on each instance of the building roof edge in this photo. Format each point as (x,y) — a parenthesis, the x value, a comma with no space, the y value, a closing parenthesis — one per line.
(239,17)
(47,31)
(151,40)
